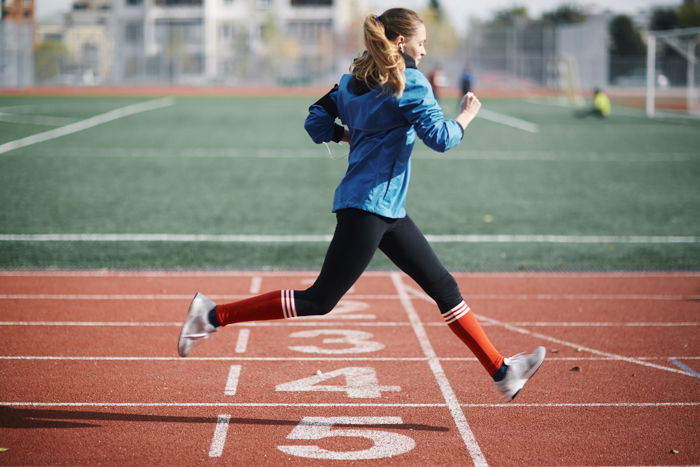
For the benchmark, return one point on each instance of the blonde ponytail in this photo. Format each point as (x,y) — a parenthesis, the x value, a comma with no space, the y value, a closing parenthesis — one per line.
(382,63)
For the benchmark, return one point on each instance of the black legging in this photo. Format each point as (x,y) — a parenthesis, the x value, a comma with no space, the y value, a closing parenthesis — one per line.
(357,236)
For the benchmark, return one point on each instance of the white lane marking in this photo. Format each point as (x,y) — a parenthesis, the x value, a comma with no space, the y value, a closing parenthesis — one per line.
(304,238)
(444,384)
(581,348)
(120,297)
(207,404)
(234,374)
(255,284)
(314,359)
(504,119)
(218,441)
(87,123)
(684,367)
(242,341)
(342,404)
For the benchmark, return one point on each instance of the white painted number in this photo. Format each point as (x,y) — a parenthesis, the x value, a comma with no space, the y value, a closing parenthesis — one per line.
(346,310)
(385,443)
(360,382)
(359,342)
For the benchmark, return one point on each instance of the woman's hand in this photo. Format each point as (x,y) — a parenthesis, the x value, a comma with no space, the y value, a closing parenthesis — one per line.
(346,136)
(469,106)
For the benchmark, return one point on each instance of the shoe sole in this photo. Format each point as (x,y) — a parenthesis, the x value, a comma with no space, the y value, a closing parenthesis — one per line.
(182,349)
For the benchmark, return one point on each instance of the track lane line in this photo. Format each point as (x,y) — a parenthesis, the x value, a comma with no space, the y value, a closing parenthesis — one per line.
(409,405)
(581,348)
(445,388)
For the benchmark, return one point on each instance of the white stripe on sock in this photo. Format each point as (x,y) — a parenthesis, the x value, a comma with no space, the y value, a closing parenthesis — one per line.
(284,303)
(288,307)
(294,307)
(457,312)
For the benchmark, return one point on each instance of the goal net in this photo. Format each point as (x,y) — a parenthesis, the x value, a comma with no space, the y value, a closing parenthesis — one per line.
(685,42)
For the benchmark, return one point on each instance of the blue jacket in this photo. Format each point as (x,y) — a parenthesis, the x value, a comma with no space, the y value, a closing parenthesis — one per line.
(382,130)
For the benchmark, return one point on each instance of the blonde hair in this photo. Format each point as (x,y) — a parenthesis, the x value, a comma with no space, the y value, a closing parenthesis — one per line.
(382,63)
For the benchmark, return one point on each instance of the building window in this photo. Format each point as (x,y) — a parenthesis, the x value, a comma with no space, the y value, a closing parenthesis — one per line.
(178,2)
(309,32)
(134,2)
(226,32)
(312,2)
(133,33)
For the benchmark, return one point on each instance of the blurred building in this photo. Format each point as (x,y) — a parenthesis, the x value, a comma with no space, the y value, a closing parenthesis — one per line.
(17,43)
(229,41)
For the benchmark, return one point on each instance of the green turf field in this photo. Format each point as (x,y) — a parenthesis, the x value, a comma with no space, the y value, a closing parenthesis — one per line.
(244,166)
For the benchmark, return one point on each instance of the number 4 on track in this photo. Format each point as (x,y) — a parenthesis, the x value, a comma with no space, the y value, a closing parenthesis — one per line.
(360,382)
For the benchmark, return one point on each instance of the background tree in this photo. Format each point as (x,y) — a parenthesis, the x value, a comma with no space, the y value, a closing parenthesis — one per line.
(510,16)
(627,50)
(689,14)
(49,56)
(663,19)
(565,14)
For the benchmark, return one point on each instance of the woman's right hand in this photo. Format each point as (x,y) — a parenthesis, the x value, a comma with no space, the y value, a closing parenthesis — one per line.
(469,106)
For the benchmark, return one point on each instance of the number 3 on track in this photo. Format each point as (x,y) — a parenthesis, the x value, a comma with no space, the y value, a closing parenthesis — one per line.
(385,443)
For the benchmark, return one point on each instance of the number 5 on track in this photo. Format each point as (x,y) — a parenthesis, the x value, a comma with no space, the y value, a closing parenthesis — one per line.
(385,443)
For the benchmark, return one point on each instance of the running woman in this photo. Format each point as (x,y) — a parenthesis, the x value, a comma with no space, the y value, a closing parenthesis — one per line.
(383,104)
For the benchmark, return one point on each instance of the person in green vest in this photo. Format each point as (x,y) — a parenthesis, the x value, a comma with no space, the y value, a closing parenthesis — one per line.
(601,105)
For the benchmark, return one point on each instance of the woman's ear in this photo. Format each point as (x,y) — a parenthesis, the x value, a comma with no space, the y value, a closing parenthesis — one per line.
(399,41)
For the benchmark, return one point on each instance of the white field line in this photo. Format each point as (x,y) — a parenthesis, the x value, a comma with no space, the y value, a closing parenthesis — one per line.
(200,238)
(35,119)
(578,347)
(406,405)
(419,153)
(87,123)
(439,373)
(503,119)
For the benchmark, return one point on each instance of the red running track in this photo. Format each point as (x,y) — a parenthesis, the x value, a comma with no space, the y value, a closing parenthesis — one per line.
(90,373)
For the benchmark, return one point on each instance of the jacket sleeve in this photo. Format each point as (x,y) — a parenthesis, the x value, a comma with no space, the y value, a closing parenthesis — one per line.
(419,107)
(320,123)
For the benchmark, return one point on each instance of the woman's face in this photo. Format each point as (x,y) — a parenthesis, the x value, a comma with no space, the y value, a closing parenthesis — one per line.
(414,46)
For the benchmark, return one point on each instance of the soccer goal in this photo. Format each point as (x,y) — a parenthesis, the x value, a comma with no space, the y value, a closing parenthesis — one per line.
(685,42)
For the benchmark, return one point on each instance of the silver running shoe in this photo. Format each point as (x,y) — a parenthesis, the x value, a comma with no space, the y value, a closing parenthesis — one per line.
(196,325)
(520,369)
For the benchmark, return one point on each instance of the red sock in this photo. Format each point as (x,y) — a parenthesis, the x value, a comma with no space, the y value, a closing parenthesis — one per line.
(464,324)
(272,305)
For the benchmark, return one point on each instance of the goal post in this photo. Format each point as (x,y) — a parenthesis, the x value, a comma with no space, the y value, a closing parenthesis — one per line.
(685,42)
